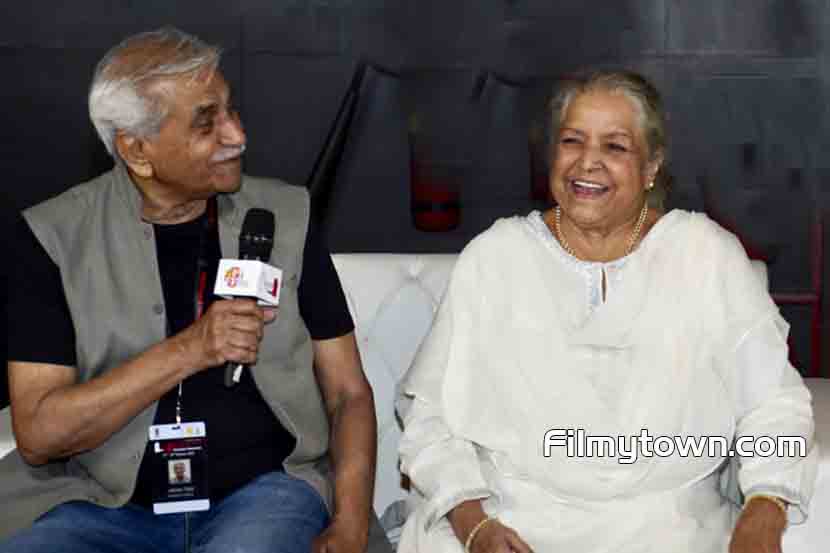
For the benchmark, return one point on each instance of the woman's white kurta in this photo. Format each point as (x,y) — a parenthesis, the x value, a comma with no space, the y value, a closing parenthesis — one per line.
(687,343)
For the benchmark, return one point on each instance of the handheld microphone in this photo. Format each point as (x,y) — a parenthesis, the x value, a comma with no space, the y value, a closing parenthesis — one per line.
(255,242)
(257,236)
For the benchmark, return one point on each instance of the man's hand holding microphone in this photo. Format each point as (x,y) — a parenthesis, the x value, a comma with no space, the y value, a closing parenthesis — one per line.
(229,332)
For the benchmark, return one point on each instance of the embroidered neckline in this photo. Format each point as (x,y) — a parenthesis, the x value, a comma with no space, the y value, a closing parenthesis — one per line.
(540,229)
(537,224)
(588,270)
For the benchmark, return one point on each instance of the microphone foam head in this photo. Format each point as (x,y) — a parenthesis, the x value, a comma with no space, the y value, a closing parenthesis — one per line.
(257,236)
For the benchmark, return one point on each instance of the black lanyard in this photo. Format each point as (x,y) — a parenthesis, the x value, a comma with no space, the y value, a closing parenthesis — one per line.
(200,280)
(203,263)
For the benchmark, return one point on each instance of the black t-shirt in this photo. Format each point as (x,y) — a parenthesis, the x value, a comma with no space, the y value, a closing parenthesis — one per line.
(244,438)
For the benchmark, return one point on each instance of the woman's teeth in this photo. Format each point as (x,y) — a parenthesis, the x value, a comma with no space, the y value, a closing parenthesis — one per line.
(585,187)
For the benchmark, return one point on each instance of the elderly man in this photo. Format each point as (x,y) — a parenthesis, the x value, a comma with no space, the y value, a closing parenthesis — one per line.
(111,354)
(180,475)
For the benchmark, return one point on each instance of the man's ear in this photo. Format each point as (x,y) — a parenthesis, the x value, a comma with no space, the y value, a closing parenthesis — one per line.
(132,151)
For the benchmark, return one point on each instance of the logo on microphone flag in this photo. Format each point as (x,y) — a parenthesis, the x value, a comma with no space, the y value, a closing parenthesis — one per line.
(249,278)
(232,276)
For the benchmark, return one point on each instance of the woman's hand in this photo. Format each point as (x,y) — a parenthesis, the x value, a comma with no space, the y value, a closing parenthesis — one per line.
(492,537)
(759,528)
(495,537)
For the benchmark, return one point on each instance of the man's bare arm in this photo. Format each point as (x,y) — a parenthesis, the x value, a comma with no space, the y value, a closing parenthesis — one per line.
(351,411)
(54,416)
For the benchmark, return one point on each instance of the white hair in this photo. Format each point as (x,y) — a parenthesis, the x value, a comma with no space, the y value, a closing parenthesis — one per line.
(119,97)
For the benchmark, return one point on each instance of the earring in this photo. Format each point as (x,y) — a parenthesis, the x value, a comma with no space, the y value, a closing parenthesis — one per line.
(650,185)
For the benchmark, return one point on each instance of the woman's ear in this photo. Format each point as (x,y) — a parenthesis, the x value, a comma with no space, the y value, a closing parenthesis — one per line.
(653,167)
(132,151)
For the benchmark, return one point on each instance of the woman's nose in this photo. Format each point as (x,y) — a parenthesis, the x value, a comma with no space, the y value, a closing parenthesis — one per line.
(591,158)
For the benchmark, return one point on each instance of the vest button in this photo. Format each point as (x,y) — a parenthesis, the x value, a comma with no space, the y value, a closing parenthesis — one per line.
(158,309)
(148,233)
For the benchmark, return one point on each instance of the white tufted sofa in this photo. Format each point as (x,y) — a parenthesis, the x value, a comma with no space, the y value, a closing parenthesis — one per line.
(393,298)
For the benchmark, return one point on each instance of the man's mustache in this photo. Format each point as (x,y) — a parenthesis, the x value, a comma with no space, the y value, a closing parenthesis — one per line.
(228,153)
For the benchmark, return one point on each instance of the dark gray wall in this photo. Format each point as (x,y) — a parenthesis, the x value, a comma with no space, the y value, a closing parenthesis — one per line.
(461,84)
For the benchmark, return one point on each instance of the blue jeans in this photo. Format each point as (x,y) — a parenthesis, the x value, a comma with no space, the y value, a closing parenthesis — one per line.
(274,513)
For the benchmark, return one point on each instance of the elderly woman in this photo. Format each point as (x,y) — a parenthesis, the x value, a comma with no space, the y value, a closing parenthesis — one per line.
(603,317)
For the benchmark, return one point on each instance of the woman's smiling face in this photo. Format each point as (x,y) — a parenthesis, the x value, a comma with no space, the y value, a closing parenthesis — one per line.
(601,162)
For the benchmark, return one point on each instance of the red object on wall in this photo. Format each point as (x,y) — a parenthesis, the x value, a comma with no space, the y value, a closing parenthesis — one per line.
(435,198)
(812,298)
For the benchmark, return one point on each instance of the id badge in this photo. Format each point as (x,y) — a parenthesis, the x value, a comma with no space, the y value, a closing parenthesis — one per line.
(179,468)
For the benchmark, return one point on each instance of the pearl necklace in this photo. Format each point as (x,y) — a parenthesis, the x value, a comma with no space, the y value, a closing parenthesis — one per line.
(635,234)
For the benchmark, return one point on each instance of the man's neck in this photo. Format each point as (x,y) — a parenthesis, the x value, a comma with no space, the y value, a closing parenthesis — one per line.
(160,207)
(171,214)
